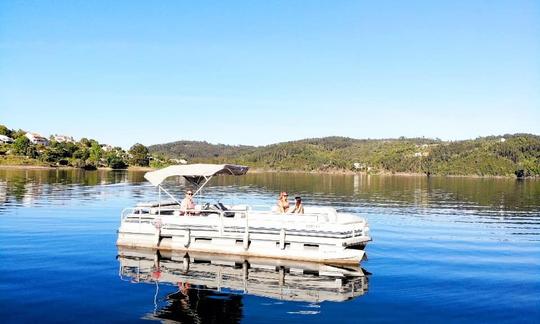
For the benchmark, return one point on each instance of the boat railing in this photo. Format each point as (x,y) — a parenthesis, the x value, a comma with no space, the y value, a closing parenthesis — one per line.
(246,213)
(125,212)
(306,217)
(130,211)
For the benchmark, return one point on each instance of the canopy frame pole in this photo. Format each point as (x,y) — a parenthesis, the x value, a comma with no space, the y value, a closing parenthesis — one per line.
(172,197)
(204,184)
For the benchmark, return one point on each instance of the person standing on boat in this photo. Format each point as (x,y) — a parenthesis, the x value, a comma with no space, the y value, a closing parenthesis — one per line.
(298,206)
(283,202)
(187,205)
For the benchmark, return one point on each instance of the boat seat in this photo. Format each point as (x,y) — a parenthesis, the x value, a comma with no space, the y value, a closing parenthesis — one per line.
(168,211)
(219,206)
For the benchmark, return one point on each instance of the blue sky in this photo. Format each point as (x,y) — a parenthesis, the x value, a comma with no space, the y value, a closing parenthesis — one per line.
(260,72)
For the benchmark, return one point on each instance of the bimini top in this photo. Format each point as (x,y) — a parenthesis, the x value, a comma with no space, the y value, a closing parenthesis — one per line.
(194,173)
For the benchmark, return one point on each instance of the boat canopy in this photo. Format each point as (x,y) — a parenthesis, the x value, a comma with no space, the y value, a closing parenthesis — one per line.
(194,173)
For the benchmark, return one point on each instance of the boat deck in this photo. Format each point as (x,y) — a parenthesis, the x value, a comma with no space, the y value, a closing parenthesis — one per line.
(321,234)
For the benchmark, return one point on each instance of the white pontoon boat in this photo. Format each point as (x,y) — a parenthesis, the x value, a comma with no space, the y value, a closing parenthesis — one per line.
(321,234)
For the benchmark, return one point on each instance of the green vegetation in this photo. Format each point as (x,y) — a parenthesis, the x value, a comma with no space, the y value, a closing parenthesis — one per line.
(507,155)
(5,131)
(139,155)
(20,160)
(87,153)
(190,150)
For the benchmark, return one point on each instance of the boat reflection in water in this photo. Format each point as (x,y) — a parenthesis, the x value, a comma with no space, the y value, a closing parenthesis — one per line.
(210,287)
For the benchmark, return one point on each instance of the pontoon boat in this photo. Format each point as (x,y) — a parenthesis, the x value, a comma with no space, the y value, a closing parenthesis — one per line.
(321,234)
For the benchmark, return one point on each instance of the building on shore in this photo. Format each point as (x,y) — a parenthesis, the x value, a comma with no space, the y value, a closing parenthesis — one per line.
(35,138)
(5,139)
(106,147)
(63,138)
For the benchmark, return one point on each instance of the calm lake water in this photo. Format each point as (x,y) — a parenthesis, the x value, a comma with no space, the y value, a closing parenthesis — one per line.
(443,250)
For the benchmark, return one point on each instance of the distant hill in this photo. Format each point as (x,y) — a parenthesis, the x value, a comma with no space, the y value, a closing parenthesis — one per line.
(197,150)
(485,156)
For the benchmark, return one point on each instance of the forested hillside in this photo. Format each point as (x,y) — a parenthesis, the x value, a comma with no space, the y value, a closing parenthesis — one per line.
(200,150)
(517,154)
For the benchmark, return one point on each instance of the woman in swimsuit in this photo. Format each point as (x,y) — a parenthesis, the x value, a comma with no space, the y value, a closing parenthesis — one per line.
(283,203)
(187,205)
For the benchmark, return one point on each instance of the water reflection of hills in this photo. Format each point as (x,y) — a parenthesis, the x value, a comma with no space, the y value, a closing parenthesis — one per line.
(498,194)
(211,285)
(480,195)
(23,187)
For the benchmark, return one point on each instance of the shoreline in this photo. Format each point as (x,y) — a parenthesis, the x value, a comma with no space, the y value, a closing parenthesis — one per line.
(386,174)
(258,170)
(44,167)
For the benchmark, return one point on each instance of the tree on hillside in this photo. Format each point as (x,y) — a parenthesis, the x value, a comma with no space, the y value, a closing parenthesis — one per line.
(85,142)
(116,162)
(5,131)
(21,145)
(58,152)
(17,134)
(115,158)
(81,153)
(139,155)
(95,154)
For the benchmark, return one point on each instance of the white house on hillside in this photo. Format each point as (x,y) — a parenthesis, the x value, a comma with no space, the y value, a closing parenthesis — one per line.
(106,147)
(63,139)
(35,138)
(5,139)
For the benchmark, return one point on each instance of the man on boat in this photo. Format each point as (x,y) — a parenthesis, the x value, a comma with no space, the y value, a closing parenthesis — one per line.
(298,206)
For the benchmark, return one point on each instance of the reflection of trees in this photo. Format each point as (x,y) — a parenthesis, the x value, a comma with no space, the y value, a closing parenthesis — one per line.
(3,192)
(501,194)
(16,188)
(25,186)
(433,192)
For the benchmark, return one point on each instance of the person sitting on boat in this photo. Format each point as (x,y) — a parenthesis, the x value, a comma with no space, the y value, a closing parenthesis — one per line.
(283,203)
(187,206)
(298,206)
